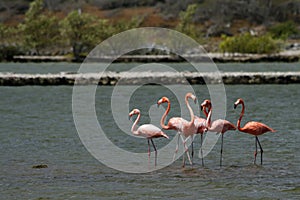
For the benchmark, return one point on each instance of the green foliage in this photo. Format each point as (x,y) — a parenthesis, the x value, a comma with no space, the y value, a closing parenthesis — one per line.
(10,35)
(83,31)
(35,9)
(186,25)
(10,42)
(247,43)
(284,30)
(40,30)
(121,26)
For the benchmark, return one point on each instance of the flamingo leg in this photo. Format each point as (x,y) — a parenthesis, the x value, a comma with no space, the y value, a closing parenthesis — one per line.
(176,150)
(192,144)
(186,150)
(154,151)
(148,152)
(261,151)
(201,151)
(255,153)
(221,150)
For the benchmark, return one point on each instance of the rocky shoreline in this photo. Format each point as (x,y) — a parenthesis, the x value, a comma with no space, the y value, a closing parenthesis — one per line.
(139,78)
(287,56)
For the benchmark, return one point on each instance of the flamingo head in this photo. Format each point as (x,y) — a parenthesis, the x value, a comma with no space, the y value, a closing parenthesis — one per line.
(238,101)
(190,95)
(134,112)
(205,104)
(162,100)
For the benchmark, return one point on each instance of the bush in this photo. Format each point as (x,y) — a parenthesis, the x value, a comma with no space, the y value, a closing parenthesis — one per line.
(7,53)
(247,43)
(284,30)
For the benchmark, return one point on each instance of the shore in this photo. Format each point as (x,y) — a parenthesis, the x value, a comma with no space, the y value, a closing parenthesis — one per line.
(139,78)
(286,56)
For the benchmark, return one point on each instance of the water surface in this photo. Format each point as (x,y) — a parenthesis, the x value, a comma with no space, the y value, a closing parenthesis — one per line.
(44,68)
(37,128)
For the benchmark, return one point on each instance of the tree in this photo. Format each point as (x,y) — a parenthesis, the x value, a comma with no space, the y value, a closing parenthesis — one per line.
(10,42)
(40,30)
(83,31)
(186,25)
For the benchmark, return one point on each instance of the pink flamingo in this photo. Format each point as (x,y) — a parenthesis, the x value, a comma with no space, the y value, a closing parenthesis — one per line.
(218,126)
(179,124)
(253,128)
(200,123)
(148,131)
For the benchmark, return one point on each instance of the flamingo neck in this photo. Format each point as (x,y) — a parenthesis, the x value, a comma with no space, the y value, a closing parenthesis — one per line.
(241,116)
(191,111)
(205,112)
(208,119)
(162,121)
(134,126)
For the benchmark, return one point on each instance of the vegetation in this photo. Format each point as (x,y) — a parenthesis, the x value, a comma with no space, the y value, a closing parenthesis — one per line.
(284,30)
(186,24)
(46,26)
(40,30)
(10,42)
(246,43)
(83,31)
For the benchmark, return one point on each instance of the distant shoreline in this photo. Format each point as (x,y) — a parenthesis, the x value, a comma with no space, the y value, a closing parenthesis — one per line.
(148,77)
(287,56)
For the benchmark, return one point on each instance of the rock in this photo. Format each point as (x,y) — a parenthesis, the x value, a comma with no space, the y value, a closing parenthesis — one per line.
(40,166)
(137,78)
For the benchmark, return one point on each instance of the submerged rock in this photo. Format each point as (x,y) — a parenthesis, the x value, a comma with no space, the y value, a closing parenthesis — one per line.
(40,166)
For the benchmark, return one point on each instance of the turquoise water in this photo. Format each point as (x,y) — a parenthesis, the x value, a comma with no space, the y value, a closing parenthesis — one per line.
(37,127)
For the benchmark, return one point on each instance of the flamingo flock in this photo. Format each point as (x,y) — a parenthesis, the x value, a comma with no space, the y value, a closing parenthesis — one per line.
(196,125)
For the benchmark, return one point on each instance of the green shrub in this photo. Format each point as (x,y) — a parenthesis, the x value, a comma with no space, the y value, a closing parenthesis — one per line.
(284,30)
(7,53)
(247,43)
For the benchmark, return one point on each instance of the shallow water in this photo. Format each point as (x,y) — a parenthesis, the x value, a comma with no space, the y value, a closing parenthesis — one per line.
(37,128)
(44,68)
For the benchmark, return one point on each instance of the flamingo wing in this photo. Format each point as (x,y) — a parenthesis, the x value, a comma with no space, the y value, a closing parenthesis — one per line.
(256,128)
(176,123)
(228,126)
(200,123)
(221,126)
(150,131)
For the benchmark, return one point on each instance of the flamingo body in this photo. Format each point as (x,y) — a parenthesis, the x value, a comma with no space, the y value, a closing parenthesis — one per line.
(253,128)
(148,131)
(221,126)
(218,126)
(182,126)
(175,123)
(200,124)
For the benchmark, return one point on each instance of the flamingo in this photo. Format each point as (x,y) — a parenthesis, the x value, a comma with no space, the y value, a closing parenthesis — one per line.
(200,123)
(148,131)
(218,126)
(179,124)
(253,128)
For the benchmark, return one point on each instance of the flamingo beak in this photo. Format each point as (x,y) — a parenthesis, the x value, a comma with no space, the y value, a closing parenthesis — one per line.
(159,102)
(234,106)
(130,115)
